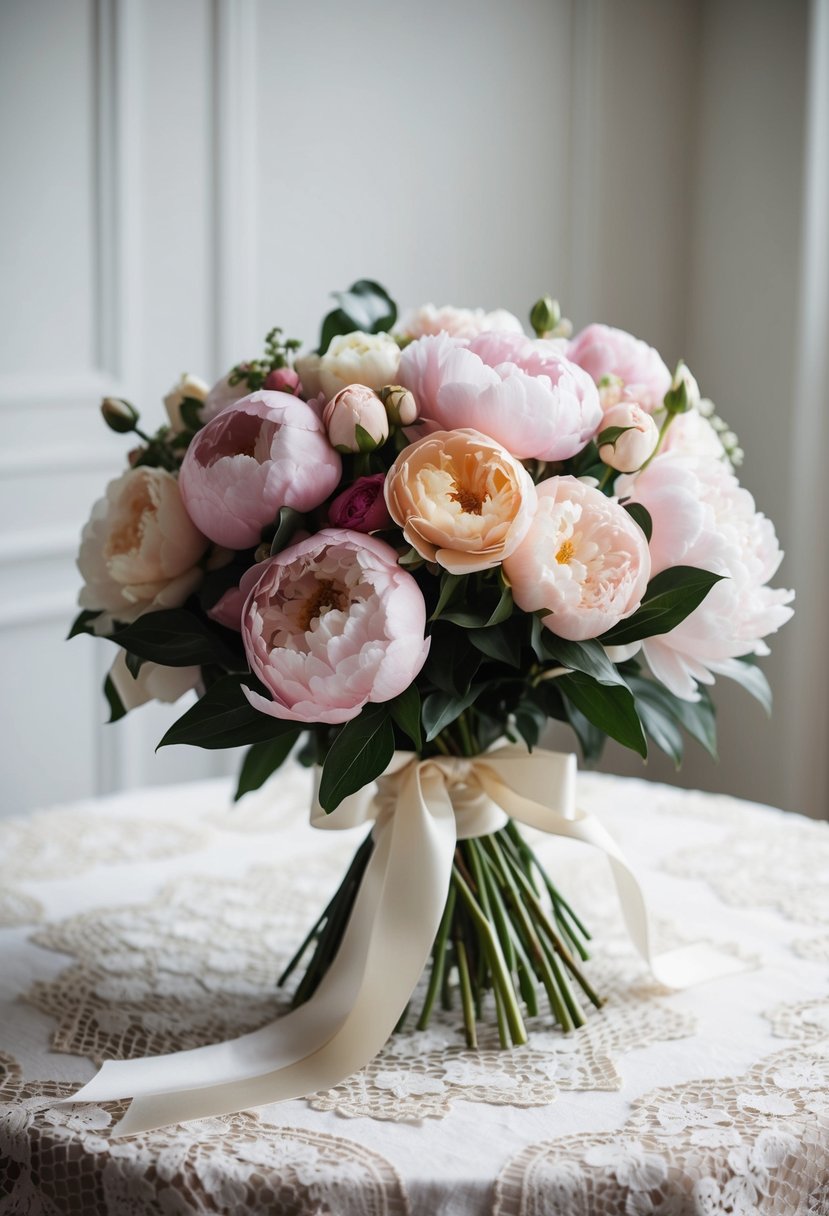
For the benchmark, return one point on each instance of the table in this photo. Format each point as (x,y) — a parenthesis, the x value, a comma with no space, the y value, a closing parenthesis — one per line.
(159,919)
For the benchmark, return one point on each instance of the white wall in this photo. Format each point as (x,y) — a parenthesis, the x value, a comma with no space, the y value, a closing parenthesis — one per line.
(187,174)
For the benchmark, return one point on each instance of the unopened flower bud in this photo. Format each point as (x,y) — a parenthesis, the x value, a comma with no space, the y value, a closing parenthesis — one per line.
(628,437)
(683,395)
(119,415)
(545,316)
(356,420)
(400,404)
(282,380)
(186,389)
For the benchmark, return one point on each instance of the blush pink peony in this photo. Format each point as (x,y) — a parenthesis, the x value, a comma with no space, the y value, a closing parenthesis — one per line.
(604,351)
(458,322)
(461,500)
(521,392)
(267,451)
(331,624)
(584,559)
(703,517)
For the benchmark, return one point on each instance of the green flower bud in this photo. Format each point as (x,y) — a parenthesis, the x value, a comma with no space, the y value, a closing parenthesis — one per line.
(683,395)
(545,315)
(119,415)
(400,404)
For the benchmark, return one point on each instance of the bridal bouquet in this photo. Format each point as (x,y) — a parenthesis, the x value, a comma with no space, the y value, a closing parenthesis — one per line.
(426,537)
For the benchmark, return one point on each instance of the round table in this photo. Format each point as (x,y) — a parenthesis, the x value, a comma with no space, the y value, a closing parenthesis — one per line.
(159,919)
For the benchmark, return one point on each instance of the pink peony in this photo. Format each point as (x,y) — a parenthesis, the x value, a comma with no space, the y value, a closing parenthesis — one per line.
(458,322)
(330,624)
(267,451)
(353,406)
(361,507)
(583,558)
(520,391)
(603,351)
(703,517)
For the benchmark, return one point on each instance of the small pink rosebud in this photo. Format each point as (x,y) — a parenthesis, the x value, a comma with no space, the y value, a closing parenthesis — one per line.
(355,406)
(282,380)
(361,507)
(628,450)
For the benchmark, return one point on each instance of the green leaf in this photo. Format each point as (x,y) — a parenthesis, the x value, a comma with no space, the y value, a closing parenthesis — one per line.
(746,672)
(530,720)
(440,709)
(609,707)
(360,753)
(405,710)
(175,637)
(224,717)
(642,517)
(498,642)
(449,584)
(587,657)
(287,522)
(116,705)
(697,717)
(83,624)
(591,739)
(263,759)
(669,598)
(365,441)
(133,663)
(657,720)
(365,306)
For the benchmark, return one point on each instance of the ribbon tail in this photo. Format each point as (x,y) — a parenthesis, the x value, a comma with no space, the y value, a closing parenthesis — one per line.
(385,947)
(679,968)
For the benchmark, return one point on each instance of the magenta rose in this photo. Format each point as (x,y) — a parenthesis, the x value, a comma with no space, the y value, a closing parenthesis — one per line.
(331,624)
(267,451)
(362,506)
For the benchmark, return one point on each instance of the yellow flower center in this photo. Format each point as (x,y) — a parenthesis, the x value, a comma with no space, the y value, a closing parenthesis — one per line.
(565,552)
(470,502)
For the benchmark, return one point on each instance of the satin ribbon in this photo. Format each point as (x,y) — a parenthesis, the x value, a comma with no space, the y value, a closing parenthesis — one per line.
(420,808)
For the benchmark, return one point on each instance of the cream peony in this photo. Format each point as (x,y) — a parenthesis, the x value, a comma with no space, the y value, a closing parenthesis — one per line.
(154,682)
(358,358)
(584,559)
(185,386)
(703,517)
(139,550)
(458,322)
(461,500)
(330,624)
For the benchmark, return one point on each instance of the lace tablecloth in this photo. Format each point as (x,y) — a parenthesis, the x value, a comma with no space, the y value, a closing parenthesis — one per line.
(159,920)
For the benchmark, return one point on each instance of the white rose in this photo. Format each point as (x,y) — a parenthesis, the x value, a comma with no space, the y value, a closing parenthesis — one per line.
(221,394)
(458,322)
(358,358)
(153,682)
(185,386)
(139,549)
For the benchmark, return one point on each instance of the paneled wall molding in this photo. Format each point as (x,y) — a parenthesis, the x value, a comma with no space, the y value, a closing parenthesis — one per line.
(234,175)
(38,544)
(33,609)
(585,182)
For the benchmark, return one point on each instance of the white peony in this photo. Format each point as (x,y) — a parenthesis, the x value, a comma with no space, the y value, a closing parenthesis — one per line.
(358,358)
(139,549)
(185,386)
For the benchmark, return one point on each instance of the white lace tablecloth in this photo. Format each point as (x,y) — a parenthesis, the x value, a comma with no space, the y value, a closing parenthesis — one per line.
(159,920)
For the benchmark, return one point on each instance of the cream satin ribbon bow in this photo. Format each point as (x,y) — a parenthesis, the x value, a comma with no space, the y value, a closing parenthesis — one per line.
(420,808)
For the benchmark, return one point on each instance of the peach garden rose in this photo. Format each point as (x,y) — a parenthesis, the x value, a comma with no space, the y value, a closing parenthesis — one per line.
(461,500)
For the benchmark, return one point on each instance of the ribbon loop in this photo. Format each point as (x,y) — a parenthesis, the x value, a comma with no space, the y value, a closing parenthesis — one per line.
(419,809)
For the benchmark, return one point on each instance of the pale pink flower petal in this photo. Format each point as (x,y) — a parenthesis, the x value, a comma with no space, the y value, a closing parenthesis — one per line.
(267,451)
(702,517)
(584,559)
(519,391)
(330,624)
(604,351)
(458,322)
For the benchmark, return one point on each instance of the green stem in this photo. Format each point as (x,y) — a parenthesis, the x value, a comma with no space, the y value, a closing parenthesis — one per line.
(438,960)
(663,430)
(467,1001)
(468,746)
(606,476)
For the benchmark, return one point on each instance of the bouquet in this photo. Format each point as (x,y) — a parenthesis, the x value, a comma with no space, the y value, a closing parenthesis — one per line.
(427,537)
